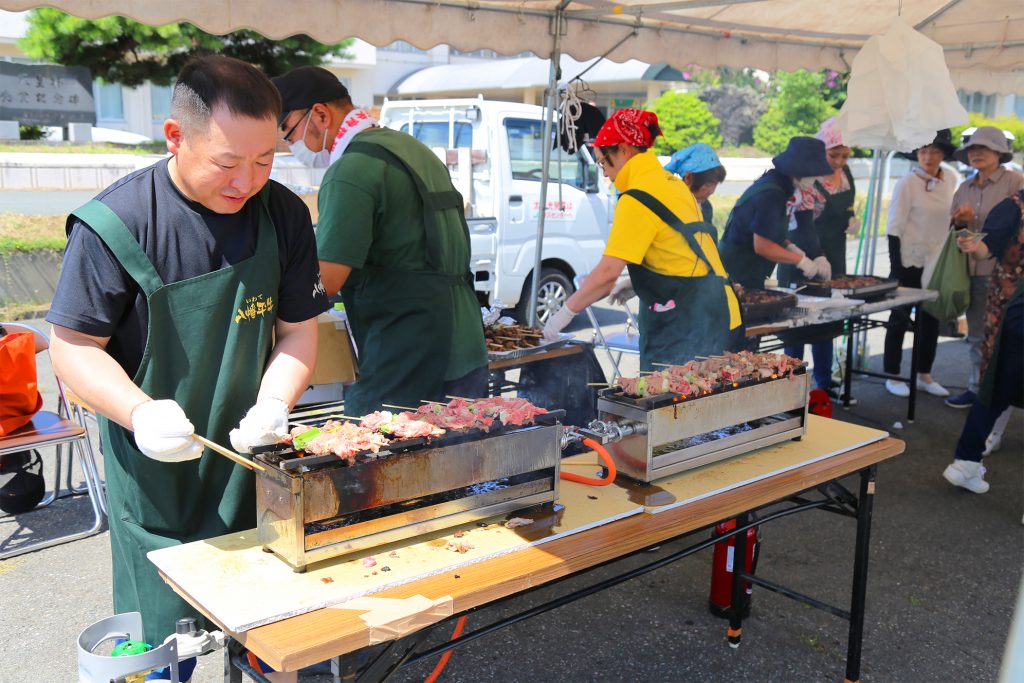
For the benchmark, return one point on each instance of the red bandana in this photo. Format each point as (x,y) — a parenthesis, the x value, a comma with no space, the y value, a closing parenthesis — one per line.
(631,126)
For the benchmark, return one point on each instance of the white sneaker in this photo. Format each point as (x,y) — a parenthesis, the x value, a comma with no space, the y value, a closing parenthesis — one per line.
(992,444)
(897,388)
(966,474)
(933,388)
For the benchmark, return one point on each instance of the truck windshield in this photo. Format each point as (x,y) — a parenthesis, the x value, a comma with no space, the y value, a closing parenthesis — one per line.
(435,133)
(525,150)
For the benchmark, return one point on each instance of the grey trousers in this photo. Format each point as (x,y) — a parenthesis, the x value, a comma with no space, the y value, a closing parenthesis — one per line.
(976,327)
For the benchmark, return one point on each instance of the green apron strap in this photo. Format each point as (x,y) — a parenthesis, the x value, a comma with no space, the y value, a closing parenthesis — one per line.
(125,248)
(433,202)
(687,231)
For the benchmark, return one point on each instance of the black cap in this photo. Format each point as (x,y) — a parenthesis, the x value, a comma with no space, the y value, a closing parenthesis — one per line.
(305,86)
(943,140)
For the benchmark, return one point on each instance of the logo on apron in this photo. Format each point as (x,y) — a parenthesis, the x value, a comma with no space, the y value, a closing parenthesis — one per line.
(255,307)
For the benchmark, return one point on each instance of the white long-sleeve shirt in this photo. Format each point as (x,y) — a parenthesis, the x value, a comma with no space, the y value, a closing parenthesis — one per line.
(919,216)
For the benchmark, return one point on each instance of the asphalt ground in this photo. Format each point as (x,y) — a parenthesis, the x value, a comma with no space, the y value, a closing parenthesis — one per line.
(945,570)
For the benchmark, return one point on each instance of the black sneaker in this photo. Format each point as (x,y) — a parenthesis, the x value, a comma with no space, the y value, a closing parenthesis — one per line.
(838,397)
(962,401)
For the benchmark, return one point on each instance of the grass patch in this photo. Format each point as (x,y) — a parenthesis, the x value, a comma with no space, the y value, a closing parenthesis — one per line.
(723,204)
(19,232)
(22,311)
(35,146)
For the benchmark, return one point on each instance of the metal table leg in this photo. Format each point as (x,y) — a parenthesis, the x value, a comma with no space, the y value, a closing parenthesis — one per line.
(855,640)
(739,567)
(848,375)
(912,399)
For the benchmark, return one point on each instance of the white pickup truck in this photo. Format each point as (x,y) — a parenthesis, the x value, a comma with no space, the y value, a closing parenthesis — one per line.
(493,150)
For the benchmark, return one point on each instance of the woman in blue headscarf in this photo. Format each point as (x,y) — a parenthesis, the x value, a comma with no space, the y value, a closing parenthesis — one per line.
(700,169)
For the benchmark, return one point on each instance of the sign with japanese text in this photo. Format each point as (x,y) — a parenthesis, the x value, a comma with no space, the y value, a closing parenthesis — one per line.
(45,95)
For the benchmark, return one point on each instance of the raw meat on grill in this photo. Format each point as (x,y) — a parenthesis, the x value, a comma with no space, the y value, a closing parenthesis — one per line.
(697,378)
(345,439)
(400,425)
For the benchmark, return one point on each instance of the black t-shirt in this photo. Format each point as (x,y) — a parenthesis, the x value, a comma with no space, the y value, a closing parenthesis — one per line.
(183,240)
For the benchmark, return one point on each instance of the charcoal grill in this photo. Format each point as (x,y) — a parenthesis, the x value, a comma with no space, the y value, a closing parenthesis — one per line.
(871,292)
(314,508)
(650,438)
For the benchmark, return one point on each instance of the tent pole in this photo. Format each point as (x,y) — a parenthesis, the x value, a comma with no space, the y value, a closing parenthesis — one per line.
(871,244)
(556,56)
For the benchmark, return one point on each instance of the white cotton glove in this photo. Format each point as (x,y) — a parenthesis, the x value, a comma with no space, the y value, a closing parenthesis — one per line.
(795,249)
(622,292)
(558,322)
(163,433)
(824,268)
(853,226)
(808,267)
(265,423)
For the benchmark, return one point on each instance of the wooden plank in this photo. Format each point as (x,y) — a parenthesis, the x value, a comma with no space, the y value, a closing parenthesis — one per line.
(319,635)
(223,574)
(570,350)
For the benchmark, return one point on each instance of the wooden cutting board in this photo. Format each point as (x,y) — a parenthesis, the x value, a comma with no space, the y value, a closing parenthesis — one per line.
(824,438)
(242,587)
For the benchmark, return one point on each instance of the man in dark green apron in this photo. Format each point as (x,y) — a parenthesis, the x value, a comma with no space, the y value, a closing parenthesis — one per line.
(687,307)
(392,237)
(833,220)
(757,233)
(186,305)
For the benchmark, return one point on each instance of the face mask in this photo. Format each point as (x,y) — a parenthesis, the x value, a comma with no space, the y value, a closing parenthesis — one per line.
(305,155)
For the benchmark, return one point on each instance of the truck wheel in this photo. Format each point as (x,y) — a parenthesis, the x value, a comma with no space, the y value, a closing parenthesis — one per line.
(554,288)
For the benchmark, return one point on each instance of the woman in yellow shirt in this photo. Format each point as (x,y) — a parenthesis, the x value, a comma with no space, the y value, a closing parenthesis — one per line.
(686,304)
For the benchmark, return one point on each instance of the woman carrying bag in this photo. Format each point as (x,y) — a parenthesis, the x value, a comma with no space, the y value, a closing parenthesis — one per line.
(1002,351)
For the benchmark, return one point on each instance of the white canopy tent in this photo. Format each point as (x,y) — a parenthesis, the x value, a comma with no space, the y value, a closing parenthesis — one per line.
(982,40)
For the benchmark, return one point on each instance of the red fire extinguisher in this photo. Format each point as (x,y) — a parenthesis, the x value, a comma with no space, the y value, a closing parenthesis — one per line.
(720,595)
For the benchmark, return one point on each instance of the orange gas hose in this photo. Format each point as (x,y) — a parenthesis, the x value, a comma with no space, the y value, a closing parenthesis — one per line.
(605,458)
(436,673)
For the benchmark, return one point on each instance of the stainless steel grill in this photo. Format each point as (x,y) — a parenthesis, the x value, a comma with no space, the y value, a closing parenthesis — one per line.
(654,437)
(314,508)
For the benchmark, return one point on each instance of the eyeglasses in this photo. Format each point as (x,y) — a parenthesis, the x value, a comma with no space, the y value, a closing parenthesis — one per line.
(288,135)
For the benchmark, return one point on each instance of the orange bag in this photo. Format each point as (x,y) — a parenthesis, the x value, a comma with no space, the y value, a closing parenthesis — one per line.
(19,391)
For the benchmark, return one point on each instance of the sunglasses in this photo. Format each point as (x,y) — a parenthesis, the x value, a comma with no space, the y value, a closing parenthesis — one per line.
(291,131)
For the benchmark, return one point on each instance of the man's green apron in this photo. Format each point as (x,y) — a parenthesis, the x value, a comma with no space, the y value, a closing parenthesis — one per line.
(740,260)
(680,317)
(403,320)
(208,342)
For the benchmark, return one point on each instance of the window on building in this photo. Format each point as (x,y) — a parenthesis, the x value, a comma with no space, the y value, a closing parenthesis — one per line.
(160,101)
(978,103)
(526,149)
(109,101)
(402,46)
(435,133)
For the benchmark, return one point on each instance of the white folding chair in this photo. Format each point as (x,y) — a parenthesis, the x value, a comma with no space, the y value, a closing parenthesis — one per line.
(616,343)
(55,429)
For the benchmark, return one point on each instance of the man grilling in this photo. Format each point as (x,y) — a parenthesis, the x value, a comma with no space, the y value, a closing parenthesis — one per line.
(188,299)
(393,239)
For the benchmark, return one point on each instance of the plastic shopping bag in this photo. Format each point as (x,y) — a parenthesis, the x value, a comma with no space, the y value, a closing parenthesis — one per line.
(952,281)
(19,391)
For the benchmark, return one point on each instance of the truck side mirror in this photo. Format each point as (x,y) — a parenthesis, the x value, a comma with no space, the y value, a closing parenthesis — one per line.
(591,184)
